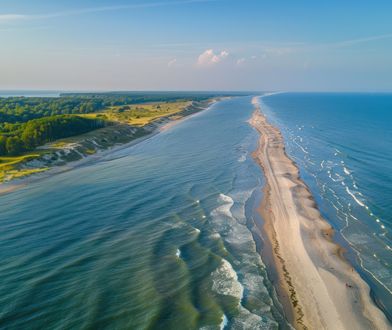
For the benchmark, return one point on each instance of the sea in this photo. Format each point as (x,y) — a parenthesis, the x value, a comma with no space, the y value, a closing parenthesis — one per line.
(153,236)
(159,235)
(28,93)
(342,143)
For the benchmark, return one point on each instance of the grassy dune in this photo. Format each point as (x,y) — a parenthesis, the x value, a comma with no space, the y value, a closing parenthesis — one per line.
(12,167)
(125,123)
(140,114)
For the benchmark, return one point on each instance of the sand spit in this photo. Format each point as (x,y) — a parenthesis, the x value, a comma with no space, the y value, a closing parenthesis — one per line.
(321,289)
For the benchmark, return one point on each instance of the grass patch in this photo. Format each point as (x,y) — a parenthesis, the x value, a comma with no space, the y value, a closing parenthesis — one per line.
(140,114)
(58,144)
(17,174)
(90,151)
(8,163)
(11,167)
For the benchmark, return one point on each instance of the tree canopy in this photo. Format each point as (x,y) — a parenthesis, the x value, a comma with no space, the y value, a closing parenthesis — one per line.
(27,136)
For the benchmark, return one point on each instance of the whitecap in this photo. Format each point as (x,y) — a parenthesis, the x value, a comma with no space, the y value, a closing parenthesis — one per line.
(301,147)
(225,208)
(355,198)
(225,281)
(355,218)
(242,159)
(346,170)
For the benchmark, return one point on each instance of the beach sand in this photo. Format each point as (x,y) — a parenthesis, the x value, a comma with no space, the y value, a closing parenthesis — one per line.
(317,286)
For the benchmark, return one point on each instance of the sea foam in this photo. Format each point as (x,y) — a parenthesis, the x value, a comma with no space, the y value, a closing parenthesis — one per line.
(225,281)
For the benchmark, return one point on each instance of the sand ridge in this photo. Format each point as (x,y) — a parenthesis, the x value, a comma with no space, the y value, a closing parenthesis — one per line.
(321,288)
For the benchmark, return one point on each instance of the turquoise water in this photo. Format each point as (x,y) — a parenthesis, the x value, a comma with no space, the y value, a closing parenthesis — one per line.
(343,146)
(154,236)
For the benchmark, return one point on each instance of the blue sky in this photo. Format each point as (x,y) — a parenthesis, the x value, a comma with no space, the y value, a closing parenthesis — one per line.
(196,45)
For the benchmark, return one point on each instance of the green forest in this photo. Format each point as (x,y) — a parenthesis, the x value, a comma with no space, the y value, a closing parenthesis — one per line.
(23,109)
(21,137)
(28,122)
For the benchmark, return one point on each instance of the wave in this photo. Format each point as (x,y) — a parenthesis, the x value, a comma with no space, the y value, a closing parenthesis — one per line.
(225,207)
(242,158)
(301,147)
(355,197)
(225,281)
(346,170)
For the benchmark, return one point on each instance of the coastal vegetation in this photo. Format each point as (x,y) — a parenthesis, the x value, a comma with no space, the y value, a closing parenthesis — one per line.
(141,114)
(23,109)
(22,137)
(37,133)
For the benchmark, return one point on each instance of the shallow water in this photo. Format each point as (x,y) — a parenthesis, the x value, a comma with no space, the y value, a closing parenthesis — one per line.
(343,146)
(153,236)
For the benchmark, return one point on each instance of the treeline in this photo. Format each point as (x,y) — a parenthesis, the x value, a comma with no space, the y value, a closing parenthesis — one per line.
(23,109)
(27,122)
(19,138)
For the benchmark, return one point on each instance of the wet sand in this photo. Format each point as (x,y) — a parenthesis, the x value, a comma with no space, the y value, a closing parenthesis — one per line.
(318,287)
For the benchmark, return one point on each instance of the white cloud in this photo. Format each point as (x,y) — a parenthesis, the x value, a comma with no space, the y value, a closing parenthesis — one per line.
(210,58)
(172,62)
(253,57)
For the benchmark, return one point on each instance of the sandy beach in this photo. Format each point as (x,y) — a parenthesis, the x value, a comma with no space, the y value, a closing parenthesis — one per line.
(319,287)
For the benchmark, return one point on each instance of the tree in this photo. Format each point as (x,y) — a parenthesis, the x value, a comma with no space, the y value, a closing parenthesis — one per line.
(3,141)
(14,145)
(28,138)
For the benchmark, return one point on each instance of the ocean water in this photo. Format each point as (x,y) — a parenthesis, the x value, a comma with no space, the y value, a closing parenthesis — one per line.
(28,93)
(343,146)
(154,236)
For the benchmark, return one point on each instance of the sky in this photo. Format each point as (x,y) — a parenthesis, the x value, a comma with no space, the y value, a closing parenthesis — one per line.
(251,45)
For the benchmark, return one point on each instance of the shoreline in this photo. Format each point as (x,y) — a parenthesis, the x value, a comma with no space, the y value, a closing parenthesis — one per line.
(316,285)
(160,125)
